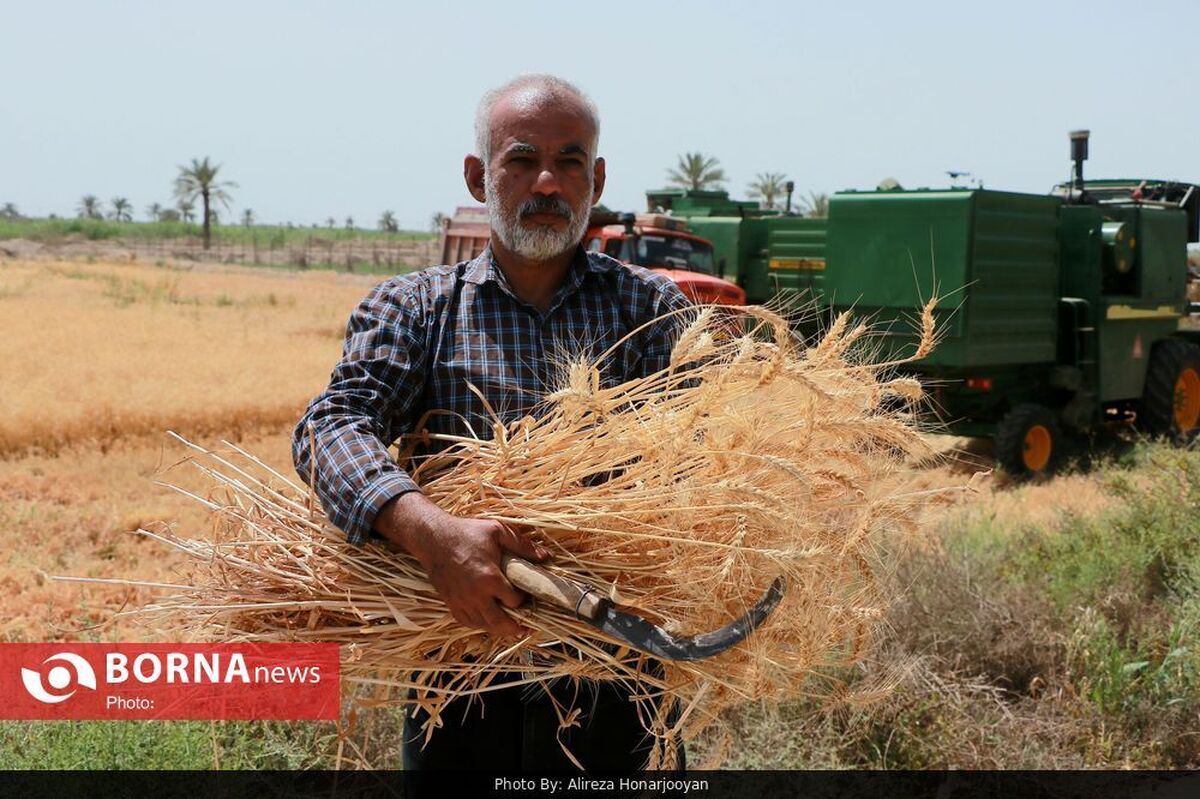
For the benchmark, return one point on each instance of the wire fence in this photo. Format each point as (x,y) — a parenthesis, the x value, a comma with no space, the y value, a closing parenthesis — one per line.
(370,255)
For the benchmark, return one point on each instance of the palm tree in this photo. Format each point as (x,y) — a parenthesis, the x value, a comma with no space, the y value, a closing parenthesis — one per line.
(248,217)
(387,222)
(436,222)
(696,171)
(200,180)
(89,207)
(9,211)
(122,210)
(349,223)
(767,187)
(185,208)
(154,211)
(330,223)
(817,204)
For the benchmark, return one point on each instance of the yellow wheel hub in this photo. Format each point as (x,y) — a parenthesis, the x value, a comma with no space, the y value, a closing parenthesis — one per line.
(1187,400)
(1037,445)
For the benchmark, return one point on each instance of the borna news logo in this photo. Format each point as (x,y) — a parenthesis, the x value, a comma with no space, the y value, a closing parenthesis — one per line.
(72,672)
(248,681)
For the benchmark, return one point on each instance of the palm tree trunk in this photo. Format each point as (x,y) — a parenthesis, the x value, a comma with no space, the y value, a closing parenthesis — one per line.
(207,225)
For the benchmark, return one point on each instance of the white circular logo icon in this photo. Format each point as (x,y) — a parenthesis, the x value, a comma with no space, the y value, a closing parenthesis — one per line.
(78,672)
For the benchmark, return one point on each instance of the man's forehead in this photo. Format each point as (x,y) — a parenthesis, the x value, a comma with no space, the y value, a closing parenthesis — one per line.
(537,119)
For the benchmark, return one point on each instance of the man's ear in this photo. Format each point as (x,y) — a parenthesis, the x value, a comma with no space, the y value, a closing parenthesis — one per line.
(473,170)
(598,180)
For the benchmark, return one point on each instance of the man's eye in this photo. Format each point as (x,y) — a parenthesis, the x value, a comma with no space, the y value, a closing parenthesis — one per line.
(521,159)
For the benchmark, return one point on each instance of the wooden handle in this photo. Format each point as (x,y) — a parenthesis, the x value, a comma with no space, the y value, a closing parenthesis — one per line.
(583,601)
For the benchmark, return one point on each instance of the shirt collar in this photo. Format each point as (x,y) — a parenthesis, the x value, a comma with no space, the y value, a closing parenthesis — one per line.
(483,267)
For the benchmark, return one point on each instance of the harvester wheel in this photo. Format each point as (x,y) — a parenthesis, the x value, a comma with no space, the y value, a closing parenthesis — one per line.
(1171,396)
(1028,440)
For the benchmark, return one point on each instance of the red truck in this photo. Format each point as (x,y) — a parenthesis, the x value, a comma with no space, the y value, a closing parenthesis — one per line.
(655,241)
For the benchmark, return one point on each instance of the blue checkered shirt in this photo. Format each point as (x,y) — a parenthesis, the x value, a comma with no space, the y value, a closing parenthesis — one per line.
(416,342)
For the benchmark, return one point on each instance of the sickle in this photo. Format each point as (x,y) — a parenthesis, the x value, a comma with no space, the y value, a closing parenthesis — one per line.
(590,606)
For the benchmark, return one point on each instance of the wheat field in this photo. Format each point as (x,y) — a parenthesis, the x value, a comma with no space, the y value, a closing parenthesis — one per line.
(95,354)
(100,360)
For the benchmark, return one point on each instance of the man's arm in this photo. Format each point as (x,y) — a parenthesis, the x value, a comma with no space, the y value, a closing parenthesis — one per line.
(668,304)
(340,445)
(340,448)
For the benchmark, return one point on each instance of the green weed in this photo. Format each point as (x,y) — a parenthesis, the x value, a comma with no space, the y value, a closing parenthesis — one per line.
(1067,646)
(164,744)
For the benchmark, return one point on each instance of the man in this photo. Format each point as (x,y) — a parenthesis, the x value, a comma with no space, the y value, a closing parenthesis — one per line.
(497,322)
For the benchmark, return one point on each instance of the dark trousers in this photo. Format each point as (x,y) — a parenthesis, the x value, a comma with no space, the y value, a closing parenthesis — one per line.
(517,729)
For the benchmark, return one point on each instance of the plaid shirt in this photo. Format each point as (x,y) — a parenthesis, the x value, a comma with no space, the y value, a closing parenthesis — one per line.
(417,340)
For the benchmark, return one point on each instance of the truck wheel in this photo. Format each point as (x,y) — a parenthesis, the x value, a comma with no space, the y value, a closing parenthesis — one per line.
(1171,397)
(1028,440)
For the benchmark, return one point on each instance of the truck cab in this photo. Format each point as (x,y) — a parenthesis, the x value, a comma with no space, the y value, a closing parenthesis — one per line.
(663,244)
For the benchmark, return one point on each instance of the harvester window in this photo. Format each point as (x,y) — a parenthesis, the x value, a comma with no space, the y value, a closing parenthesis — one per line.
(613,248)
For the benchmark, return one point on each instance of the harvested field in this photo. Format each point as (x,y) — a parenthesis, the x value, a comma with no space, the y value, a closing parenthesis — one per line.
(99,353)
(75,513)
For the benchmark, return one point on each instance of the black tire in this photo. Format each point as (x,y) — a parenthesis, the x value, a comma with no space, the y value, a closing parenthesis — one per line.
(1169,360)
(1019,443)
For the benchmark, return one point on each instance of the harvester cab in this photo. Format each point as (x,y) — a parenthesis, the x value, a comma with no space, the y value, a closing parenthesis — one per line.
(771,255)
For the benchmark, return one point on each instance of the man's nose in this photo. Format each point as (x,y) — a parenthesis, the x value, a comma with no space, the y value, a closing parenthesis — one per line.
(547,182)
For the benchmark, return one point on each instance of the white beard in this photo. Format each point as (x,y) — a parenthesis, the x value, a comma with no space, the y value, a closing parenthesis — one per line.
(532,241)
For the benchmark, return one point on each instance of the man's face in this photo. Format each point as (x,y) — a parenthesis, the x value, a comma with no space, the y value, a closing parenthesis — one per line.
(542,177)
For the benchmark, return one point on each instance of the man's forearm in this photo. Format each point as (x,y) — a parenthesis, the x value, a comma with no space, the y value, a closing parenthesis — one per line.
(409,521)
(348,467)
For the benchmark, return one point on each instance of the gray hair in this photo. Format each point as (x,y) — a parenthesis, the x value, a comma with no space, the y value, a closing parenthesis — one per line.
(554,88)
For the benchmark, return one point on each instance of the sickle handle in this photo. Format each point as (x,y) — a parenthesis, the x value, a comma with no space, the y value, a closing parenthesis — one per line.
(584,601)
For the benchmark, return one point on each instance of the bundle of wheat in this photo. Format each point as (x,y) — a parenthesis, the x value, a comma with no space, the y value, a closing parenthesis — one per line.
(683,495)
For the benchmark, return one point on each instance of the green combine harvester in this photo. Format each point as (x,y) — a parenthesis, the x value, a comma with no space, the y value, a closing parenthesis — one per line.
(1062,312)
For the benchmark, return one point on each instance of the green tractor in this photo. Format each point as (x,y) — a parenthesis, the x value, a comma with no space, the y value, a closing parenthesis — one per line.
(1062,312)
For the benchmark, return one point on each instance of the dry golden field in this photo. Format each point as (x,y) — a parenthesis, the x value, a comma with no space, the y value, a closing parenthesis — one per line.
(97,353)
(100,359)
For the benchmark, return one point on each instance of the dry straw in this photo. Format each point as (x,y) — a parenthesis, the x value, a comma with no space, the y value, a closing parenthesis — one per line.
(683,494)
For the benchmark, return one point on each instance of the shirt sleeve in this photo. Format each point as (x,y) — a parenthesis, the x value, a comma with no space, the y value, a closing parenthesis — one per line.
(667,304)
(340,444)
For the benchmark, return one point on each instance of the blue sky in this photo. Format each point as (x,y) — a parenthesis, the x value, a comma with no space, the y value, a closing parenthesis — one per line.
(350,108)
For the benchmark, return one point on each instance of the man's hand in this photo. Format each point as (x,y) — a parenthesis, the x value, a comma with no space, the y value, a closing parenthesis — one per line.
(461,558)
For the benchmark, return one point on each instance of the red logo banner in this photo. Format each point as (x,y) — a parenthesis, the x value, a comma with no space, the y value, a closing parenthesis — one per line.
(169,681)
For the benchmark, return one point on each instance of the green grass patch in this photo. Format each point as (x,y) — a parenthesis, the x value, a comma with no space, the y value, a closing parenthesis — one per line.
(267,236)
(1146,549)
(1070,645)
(166,745)
(374,741)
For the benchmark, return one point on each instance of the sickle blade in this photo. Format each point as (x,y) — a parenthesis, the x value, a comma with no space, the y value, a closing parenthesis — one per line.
(653,640)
